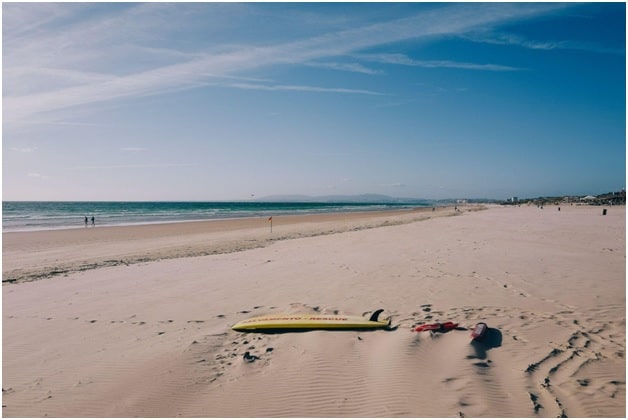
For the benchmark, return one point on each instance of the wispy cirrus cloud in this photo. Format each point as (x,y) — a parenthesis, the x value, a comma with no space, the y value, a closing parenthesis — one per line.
(350,67)
(403,60)
(301,88)
(133,149)
(136,166)
(503,38)
(37,175)
(24,149)
(82,54)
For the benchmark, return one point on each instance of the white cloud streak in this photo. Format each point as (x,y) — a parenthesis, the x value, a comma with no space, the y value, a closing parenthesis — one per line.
(250,86)
(37,175)
(24,149)
(404,60)
(136,166)
(85,60)
(133,149)
(512,39)
(350,67)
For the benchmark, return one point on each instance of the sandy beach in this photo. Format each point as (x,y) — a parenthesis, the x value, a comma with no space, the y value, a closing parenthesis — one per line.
(135,321)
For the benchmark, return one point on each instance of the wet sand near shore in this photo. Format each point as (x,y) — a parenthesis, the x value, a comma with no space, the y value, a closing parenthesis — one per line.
(30,256)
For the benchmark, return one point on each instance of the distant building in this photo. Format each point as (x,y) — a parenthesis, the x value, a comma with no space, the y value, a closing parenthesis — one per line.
(462,201)
(612,198)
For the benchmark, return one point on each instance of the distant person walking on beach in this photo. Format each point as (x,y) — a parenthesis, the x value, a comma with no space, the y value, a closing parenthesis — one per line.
(93,221)
(85,221)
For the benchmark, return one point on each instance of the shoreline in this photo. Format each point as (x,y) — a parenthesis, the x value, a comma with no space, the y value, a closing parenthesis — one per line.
(36,216)
(315,215)
(35,255)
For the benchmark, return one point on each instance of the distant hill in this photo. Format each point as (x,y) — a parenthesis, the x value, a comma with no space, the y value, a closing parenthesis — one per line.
(361,198)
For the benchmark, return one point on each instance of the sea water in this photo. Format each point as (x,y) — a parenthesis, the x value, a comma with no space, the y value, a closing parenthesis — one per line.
(48,215)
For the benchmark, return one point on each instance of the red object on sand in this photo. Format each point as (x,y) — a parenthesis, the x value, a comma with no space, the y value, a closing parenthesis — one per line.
(446,326)
(449,325)
(479,331)
(427,327)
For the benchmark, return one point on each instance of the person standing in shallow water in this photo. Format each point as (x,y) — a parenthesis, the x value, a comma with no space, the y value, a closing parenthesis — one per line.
(85,221)
(93,221)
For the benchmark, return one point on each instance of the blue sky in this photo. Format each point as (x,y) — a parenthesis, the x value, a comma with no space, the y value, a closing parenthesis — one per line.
(223,101)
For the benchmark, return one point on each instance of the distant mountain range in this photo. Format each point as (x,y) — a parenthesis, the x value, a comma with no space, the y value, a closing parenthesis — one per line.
(361,198)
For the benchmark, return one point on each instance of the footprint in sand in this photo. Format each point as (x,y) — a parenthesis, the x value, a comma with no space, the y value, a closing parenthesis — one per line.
(577,377)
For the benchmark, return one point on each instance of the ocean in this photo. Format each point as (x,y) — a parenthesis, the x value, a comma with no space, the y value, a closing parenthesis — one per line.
(49,215)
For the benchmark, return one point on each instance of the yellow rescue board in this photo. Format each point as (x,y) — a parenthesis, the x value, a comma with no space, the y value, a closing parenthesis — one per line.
(310,322)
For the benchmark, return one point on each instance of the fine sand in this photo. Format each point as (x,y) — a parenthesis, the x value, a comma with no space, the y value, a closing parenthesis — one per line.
(135,321)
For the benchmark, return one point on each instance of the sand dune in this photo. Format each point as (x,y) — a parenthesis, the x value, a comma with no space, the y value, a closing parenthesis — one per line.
(154,338)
